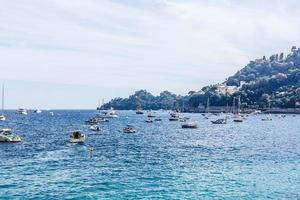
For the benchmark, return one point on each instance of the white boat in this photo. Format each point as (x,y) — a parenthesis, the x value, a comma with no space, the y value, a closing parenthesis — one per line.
(95,128)
(269,117)
(150,115)
(51,113)
(22,111)
(238,117)
(2,116)
(37,111)
(108,114)
(7,135)
(77,137)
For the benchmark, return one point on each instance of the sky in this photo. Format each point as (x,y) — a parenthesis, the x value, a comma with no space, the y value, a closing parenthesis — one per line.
(71,53)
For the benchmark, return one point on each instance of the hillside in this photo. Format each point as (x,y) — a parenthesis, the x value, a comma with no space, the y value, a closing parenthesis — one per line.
(275,80)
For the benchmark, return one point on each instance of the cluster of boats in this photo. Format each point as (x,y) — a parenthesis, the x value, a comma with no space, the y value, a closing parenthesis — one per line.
(174,116)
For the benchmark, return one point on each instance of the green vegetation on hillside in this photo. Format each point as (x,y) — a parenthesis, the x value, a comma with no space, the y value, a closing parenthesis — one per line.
(275,80)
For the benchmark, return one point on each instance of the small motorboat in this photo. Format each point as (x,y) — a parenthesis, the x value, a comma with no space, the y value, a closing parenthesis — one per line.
(266,119)
(129,129)
(95,128)
(101,119)
(219,121)
(77,137)
(182,120)
(157,119)
(150,115)
(92,121)
(190,125)
(149,120)
(173,118)
(139,112)
(37,111)
(51,113)
(238,119)
(7,135)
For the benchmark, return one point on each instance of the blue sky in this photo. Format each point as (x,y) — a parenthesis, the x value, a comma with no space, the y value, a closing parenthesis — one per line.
(70,53)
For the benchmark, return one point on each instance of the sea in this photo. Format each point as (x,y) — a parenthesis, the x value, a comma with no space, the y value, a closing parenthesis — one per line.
(254,159)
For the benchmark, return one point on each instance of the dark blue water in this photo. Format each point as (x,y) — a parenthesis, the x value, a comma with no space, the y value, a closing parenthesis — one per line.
(250,160)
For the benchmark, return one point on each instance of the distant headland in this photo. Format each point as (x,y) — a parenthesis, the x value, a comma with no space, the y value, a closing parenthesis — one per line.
(273,81)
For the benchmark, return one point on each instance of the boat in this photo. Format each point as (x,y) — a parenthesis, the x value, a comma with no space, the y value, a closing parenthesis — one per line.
(101,119)
(108,114)
(22,111)
(2,116)
(99,105)
(157,119)
(37,111)
(207,113)
(149,120)
(190,125)
(129,129)
(173,118)
(266,119)
(182,120)
(150,115)
(95,128)
(255,112)
(219,121)
(174,114)
(92,121)
(77,137)
(139,112)
(238,117)
(7,135)
(51,113)
(269,117)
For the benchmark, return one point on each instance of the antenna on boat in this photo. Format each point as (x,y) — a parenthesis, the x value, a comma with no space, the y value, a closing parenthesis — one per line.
(2,109)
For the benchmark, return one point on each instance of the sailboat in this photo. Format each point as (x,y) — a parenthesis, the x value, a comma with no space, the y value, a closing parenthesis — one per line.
(2,116)
(238,117)
(207,109)
(268,118)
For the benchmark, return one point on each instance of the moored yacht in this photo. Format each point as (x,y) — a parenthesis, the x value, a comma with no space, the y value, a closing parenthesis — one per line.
(108,114)
(22,111)
(7,135)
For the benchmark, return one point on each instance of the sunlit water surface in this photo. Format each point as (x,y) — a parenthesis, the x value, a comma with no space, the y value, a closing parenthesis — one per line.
(249,160)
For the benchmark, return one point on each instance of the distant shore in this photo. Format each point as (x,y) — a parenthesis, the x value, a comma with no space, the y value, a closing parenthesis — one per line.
(221,109)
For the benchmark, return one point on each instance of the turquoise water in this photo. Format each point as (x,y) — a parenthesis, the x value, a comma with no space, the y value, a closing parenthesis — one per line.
(250,160)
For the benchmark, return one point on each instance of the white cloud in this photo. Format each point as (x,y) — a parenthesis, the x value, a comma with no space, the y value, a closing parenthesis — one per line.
(174,45)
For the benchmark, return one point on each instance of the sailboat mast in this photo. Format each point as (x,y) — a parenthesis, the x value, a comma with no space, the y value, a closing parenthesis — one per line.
(239,104)
(207,105)
(2,98)
(233,105)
